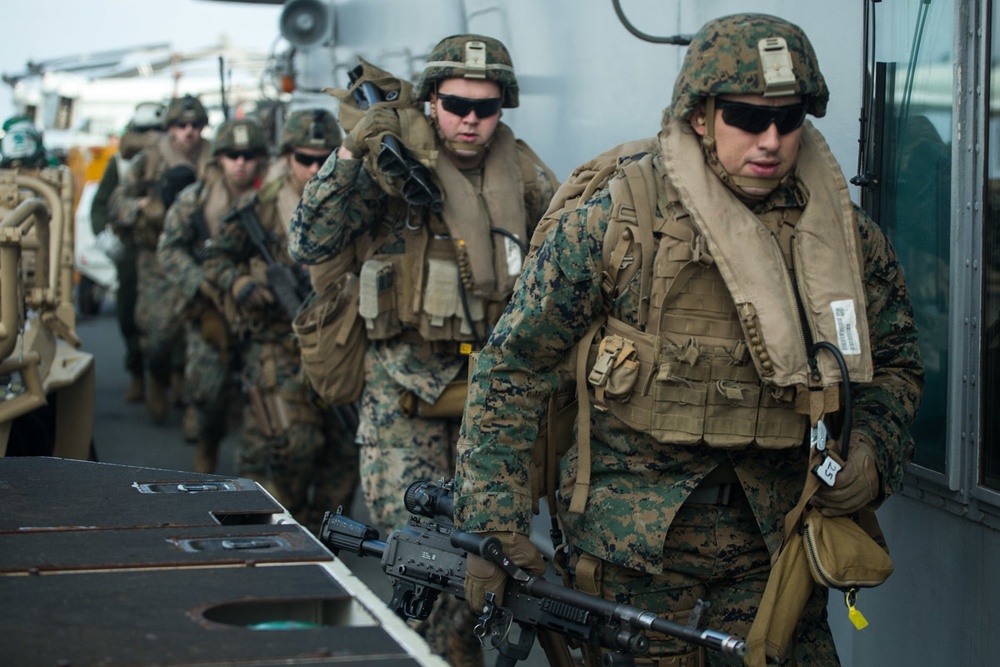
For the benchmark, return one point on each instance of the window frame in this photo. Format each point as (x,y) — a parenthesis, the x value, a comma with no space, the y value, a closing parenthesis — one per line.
(958,489)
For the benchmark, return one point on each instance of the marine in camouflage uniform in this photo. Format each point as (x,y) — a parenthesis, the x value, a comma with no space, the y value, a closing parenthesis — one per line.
(303,452)
(145,128)
(424,263)
(154,178)
(239,160)
(687,493)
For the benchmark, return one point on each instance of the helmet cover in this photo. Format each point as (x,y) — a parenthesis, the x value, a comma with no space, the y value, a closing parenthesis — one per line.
(470,57)
(749,54)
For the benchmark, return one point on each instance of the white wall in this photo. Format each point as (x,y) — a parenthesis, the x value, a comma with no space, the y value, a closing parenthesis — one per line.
(940,605)
(588,84)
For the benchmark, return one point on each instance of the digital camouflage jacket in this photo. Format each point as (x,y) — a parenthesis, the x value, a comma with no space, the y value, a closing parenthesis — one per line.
(638,484)
(343,204)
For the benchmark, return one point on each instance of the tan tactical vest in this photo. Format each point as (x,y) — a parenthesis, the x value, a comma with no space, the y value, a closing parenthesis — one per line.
(459,266)
(160,157)
(720,355)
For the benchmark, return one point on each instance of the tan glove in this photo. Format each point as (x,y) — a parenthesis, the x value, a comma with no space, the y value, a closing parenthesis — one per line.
(214,330)
(210,293)
(366,135)
(483,576)
(251,294)
(857,483)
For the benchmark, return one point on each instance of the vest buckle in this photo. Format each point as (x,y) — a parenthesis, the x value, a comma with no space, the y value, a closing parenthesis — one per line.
(605,362)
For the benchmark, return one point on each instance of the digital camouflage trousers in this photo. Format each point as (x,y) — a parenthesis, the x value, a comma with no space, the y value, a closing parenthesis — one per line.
(713,553)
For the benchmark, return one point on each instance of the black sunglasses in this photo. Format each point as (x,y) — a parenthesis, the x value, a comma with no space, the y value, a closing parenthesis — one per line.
(307,160)
(246,155)
(755,119)
(461,106)
(186,125)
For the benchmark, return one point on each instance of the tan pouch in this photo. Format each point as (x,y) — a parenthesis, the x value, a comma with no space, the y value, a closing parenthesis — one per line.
(441,296)
(377,296)
(451,402)
(616,369)
(830,551)
(332,341)
(842,554)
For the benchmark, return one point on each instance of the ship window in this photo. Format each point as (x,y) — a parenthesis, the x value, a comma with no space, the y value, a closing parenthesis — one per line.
(64,113)
(911,198)
(989,462)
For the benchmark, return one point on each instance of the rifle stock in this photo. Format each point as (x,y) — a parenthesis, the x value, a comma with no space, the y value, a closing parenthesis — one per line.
(428,557)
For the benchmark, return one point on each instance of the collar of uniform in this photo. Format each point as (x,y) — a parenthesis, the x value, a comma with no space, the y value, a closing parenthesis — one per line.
(789,194)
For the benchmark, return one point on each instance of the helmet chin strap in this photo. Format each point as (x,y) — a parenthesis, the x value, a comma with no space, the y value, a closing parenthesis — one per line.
(734,182)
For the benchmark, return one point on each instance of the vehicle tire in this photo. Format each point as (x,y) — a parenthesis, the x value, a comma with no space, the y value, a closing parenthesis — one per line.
(89,297)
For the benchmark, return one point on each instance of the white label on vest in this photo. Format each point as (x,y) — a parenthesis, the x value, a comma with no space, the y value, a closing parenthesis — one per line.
(514,256)
(846,319)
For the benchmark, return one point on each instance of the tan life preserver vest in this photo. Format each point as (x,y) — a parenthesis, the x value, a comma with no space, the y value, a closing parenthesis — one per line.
(288,200)
(430,288)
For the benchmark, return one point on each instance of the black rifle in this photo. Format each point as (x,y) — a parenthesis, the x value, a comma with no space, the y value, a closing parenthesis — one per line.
(392,159)
(288,289)
(428,557)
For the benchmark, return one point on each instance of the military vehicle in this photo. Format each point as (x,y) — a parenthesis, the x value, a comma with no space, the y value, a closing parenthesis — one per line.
(46,380)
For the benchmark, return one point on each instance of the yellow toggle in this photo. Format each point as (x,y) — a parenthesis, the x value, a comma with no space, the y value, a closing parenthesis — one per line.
(857,618)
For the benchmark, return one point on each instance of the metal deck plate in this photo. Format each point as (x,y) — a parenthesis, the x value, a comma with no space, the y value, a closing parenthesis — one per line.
(50,493)
(73,550)
(189,616)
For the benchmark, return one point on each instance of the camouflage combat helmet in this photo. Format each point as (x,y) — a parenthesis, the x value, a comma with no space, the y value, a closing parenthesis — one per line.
(746,54)
(21,144)
(240,135)
(187,109)
(147,116)
(310,128)
(469,57)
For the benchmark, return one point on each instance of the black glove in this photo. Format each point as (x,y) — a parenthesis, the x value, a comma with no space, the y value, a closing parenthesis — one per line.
(367,134)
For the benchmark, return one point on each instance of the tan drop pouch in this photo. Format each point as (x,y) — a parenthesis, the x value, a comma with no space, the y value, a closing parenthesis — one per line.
(842,554)
(451,403)
(332,341)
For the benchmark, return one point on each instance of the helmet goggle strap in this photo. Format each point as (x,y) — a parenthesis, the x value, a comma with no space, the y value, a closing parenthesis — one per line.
(734,182)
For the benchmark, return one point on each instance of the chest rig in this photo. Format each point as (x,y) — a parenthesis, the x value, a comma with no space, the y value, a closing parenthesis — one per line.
(711,309)
(458,267)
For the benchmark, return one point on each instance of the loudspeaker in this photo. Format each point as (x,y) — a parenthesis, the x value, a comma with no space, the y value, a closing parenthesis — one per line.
(305,22)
